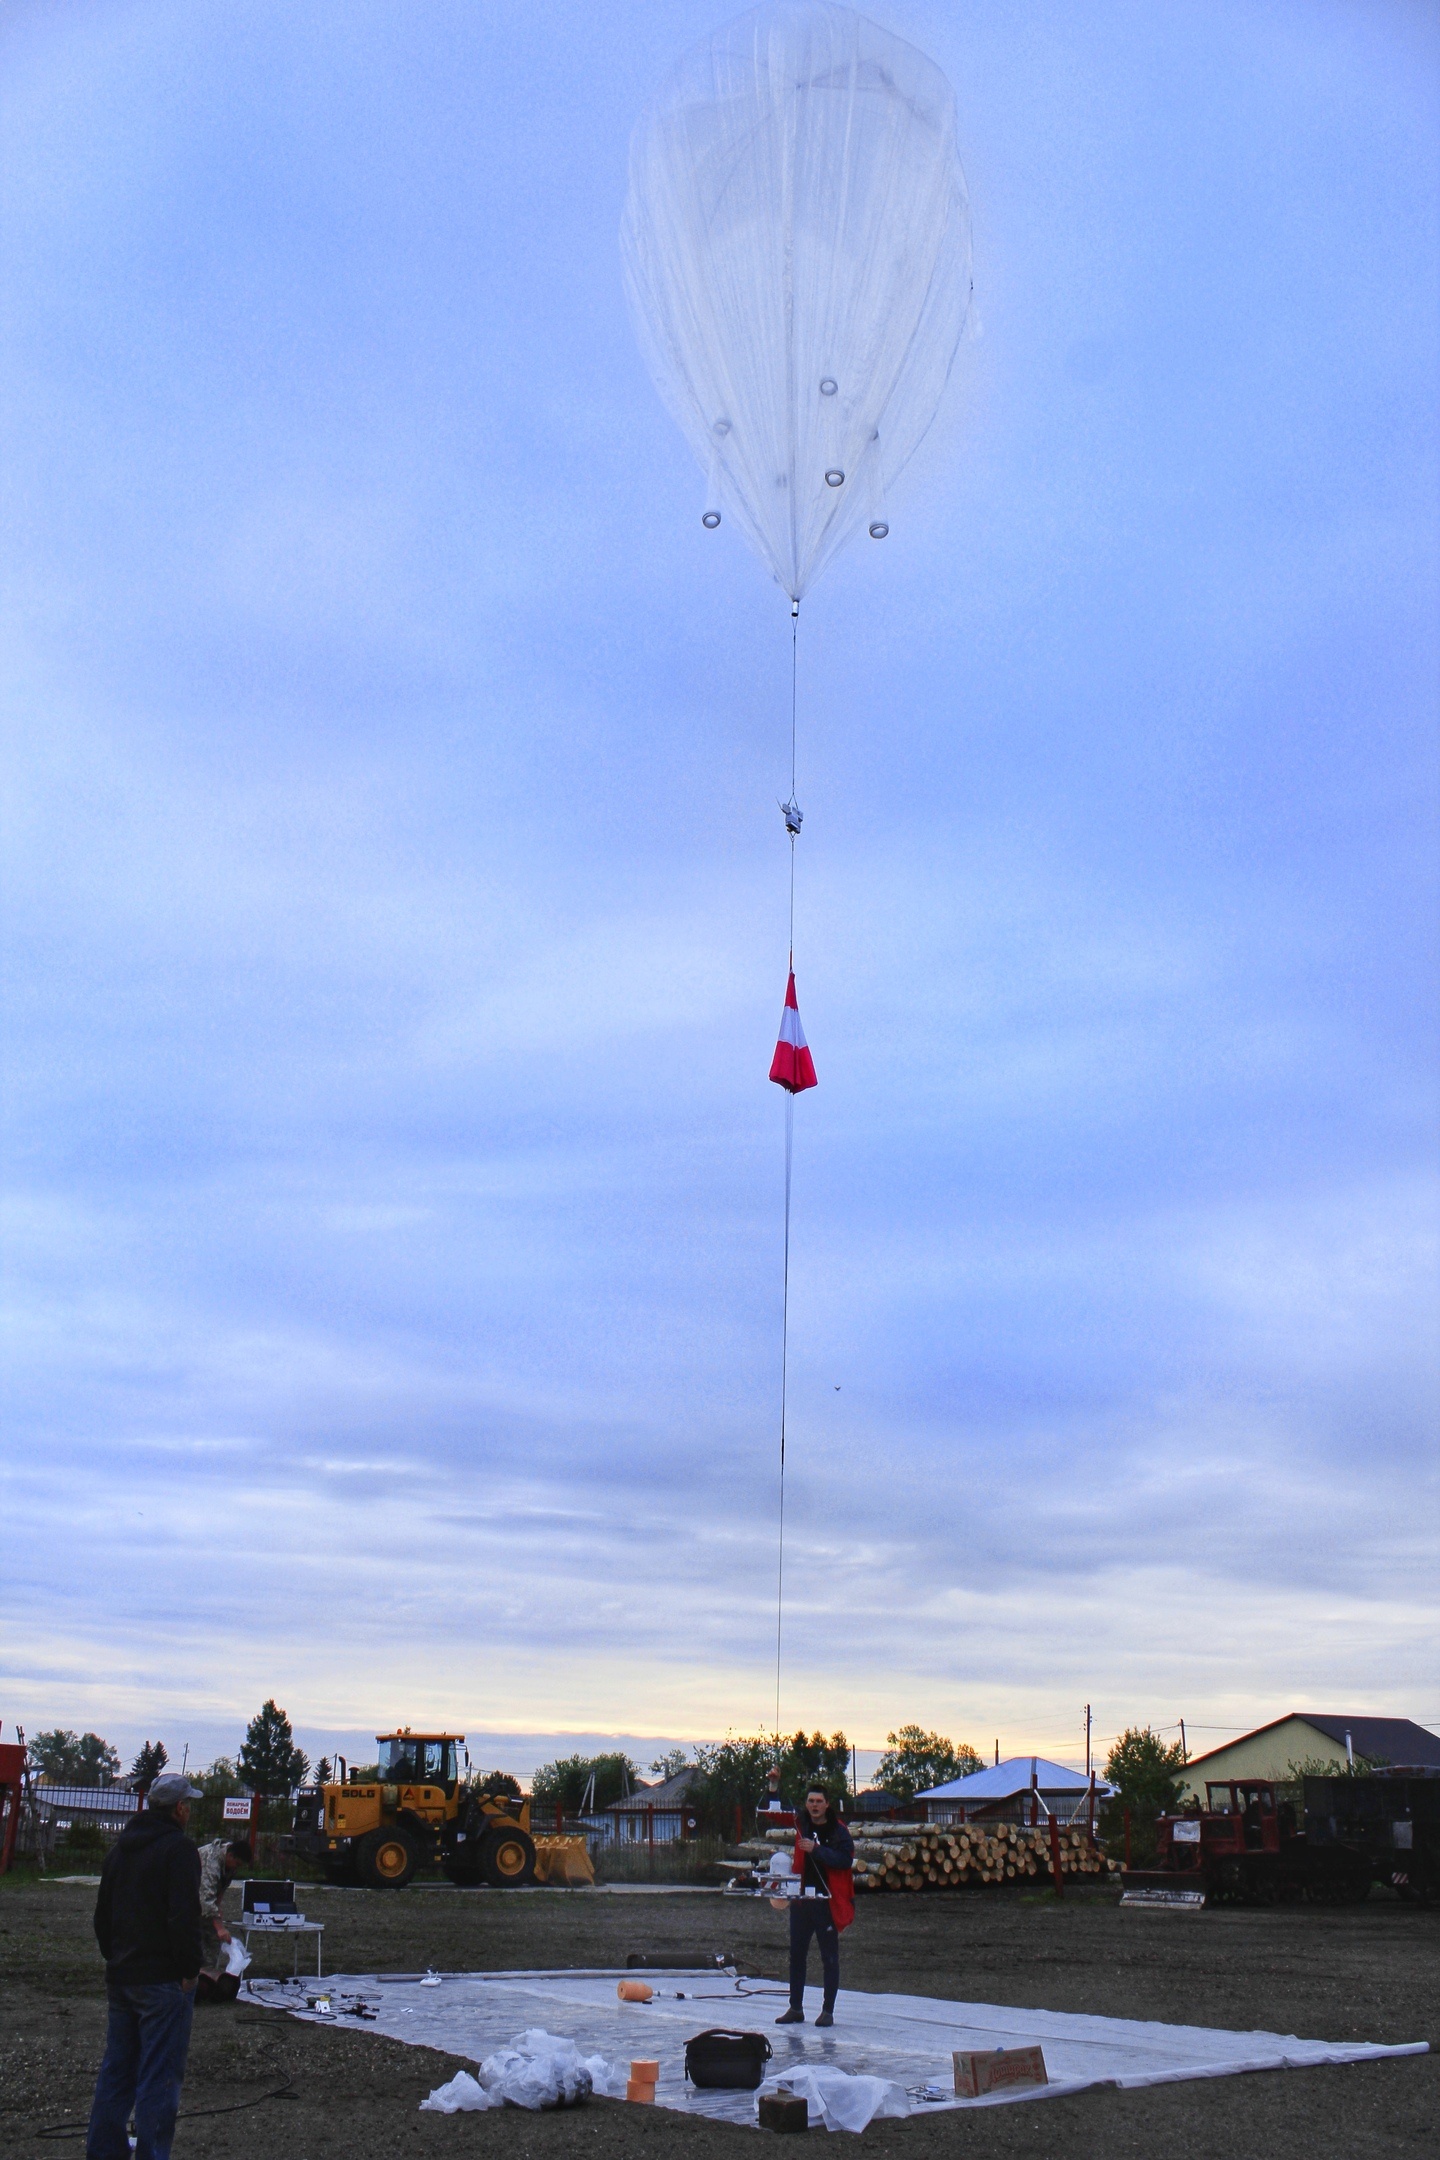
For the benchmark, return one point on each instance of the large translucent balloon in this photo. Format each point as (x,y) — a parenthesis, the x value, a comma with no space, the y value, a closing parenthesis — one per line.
(797,255)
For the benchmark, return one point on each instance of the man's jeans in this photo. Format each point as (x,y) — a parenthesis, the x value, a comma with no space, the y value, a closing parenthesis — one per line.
(144,2068)
(811,1916)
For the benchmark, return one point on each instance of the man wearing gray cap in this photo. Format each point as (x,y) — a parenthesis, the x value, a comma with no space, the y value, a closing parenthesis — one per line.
(147,1923)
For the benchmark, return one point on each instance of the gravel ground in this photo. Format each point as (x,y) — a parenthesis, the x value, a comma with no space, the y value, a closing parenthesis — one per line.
(1370,1973)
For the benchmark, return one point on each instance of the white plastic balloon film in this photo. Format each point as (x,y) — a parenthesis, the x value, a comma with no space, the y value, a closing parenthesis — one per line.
(796,244)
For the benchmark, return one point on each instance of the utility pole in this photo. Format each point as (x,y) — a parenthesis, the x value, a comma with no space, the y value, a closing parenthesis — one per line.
(1087,1742)
(1184,1751)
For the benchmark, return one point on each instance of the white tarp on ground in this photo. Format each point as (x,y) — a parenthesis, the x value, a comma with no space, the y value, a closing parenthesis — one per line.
(908,2039)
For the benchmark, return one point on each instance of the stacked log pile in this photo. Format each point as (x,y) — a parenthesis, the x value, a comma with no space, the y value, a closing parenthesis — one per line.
(917,1856)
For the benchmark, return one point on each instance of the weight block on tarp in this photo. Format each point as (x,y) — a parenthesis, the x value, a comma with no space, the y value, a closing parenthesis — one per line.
(988,2070)
(783,2111)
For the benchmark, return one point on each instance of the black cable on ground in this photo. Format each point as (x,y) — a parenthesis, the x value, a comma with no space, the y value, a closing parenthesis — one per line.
(231,2107)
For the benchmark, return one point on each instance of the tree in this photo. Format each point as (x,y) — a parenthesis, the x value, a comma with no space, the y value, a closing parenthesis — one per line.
(816,1761)
(221,1781)
(270,1762)
(734,1773)
(1144,1769)
(729,1774)
(918,1760)
(68,1758)
(568,1781)
(670,1764)
(499,1785)
(149,1763)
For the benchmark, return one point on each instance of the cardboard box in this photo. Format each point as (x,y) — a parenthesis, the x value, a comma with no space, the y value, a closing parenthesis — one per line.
(988,2070)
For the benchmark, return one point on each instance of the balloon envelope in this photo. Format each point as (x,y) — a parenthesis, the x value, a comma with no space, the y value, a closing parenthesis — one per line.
(796,243)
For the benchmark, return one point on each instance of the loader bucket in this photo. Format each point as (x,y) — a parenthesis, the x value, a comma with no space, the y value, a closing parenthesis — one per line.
(563,1862)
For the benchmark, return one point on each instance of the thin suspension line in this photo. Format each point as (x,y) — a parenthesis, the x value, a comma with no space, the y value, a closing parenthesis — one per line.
(784,1378)
(794,683)
(789,1157)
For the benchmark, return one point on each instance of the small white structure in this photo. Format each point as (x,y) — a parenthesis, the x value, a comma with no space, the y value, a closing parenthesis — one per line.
(1024,1788)
(650,1815)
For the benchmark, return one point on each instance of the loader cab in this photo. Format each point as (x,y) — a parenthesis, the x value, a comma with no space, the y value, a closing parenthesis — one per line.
(1250,1821)
(420,1759)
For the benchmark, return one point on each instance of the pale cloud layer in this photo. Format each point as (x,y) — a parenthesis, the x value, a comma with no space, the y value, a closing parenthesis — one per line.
(395,909)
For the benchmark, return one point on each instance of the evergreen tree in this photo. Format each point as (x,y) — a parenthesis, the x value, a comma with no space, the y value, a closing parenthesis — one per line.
(324,1771)
(149,1763)
(270,1762)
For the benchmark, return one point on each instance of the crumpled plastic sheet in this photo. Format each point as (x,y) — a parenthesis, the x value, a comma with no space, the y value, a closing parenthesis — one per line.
(237,1957)
(837,2098)
(537,2070)
(464,2095)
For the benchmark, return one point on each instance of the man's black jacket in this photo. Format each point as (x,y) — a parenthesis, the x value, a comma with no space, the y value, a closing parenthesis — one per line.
(147,1916)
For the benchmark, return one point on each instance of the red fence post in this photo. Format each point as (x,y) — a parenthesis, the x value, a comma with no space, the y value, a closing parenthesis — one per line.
(12,1789)
(1055,1857)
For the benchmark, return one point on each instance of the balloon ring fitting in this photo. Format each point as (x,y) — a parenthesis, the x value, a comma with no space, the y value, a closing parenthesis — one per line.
(879,530)
(834,478)
(710,520)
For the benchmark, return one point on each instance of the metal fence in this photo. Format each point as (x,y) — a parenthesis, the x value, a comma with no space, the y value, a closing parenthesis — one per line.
(85,1818)
(107,1807)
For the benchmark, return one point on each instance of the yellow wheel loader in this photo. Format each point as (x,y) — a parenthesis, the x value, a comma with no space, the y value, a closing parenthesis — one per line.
(420,1811)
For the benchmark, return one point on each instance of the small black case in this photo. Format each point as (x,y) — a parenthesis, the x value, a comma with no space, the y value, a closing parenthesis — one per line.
(727,2061)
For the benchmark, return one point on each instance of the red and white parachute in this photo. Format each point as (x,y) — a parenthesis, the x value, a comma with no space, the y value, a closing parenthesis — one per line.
(792,1066)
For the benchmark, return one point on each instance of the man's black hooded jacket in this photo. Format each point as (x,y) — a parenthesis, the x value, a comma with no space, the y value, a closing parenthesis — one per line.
(147,1916)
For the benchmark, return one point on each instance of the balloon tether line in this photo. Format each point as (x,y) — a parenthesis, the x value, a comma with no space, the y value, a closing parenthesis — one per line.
(792,827)
(784,1375)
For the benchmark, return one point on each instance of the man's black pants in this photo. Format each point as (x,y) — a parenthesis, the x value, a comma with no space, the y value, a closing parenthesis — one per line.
(811,1916)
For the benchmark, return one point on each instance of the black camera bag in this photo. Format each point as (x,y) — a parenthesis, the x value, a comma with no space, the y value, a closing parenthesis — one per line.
(729,2061)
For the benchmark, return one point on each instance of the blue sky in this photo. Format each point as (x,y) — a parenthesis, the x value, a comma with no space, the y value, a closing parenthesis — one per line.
(394,926)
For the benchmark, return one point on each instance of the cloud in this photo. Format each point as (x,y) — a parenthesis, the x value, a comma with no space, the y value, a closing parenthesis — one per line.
(396,901)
